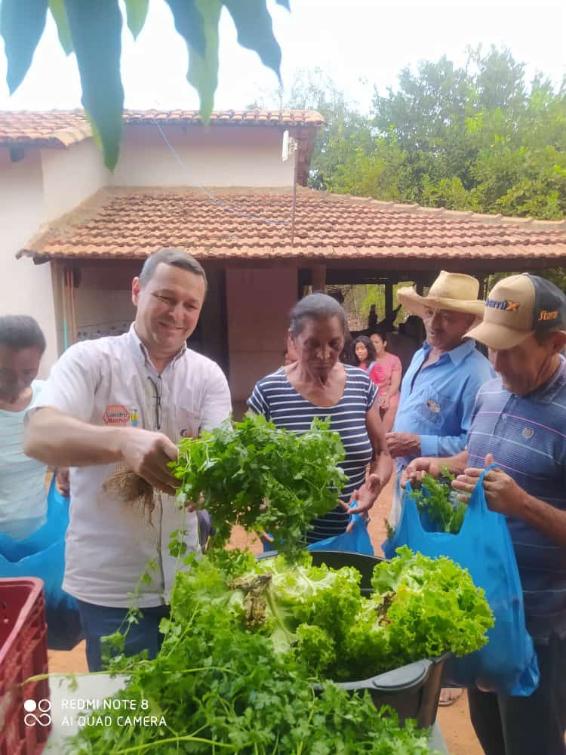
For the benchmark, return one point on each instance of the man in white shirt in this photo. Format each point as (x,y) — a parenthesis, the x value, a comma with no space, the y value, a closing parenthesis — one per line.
(126,400)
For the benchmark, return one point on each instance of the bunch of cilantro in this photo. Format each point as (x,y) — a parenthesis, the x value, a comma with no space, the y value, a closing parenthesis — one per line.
(434,499)
(263,478)
(221,687)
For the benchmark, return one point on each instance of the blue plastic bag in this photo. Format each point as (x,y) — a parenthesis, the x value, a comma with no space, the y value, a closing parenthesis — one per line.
(42,555)
(356,540)
(508,663)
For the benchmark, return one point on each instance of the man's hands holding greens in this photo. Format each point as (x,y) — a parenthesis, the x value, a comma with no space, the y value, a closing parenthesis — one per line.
(148,454)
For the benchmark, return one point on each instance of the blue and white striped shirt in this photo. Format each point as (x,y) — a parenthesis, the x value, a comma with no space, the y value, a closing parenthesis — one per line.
(275,398)
(527,437)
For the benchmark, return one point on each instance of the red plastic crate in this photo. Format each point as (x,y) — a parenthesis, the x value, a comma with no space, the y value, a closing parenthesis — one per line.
(23,653)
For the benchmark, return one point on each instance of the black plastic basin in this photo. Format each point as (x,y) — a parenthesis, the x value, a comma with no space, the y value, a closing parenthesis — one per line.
(412,690)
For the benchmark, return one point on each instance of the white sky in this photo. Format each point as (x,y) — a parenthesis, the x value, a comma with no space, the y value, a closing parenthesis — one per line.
(355,42)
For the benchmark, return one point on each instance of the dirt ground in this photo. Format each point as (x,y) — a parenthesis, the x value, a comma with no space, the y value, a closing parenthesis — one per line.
(454,720)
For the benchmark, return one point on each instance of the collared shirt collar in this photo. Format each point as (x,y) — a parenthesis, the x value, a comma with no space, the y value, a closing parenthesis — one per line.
(456,355)
(140,351)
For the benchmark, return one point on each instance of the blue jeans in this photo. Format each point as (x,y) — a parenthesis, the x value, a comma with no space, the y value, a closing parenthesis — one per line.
(532,725)
(99,621)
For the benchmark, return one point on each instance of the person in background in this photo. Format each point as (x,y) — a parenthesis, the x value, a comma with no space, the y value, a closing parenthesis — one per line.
(386,374)
(347,354)
(440,387)
(387,325)
(364,353)
(125,401)
(23,495)
(519,422)
(33,517)
(319,385)
(372,317)
(407,340)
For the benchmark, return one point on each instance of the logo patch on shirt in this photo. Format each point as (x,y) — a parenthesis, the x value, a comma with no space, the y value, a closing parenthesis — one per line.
(433,405)
(527,433)
(116,414)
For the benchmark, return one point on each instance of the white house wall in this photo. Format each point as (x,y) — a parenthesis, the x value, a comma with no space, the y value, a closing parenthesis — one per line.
(70,176)
(215,156)
(35,190)
(49,183)
(25,288)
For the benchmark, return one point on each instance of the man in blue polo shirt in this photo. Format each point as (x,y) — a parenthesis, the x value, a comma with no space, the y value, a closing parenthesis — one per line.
(520,423)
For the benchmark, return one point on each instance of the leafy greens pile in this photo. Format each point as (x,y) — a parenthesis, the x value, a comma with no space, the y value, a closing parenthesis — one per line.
(251,647)
(434,499)
(247,639)
(420,608)
(221,686)
(263,478)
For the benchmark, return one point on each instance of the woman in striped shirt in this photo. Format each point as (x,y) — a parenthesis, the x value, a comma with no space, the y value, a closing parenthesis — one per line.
(318,385)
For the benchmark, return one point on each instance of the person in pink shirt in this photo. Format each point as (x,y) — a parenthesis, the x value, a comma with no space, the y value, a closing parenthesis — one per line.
(364,354)
(386,374)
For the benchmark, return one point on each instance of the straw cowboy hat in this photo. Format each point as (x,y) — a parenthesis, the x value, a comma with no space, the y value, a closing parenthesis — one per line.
(454,291)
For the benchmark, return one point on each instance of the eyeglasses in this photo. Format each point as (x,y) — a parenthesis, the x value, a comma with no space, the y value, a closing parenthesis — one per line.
(156,386)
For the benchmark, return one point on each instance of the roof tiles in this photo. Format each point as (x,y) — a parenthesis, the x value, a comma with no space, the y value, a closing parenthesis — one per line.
(258,224)
(60,128)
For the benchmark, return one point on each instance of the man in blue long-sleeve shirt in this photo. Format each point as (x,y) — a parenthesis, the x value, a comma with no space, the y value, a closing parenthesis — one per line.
(439,388)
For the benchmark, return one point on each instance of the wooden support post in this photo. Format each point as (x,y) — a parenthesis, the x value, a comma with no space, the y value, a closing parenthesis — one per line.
(318,277)
(388,300)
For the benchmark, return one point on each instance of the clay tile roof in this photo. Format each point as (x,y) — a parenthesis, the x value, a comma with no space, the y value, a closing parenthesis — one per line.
(52,128)
(258,224)
(60,128)
(255,117)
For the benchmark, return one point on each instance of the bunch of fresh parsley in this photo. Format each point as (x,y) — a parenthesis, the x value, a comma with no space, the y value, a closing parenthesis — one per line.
(434,500)
(263,478)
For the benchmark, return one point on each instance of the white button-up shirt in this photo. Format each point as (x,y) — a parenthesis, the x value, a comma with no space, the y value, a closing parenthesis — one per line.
(112,382)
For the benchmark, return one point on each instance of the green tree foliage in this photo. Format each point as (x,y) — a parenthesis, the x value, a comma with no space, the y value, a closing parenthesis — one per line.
(92,30)
(474,138)
(479,138)
(346,131)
